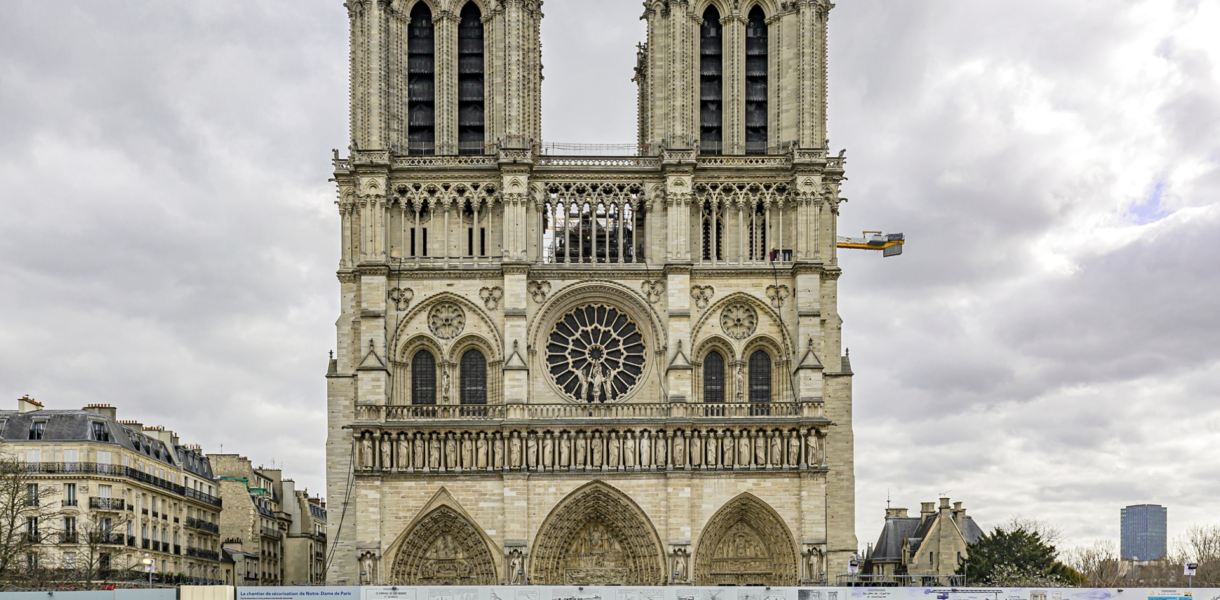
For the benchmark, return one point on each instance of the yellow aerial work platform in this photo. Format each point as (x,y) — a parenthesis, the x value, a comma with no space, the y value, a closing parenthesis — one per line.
(890,244)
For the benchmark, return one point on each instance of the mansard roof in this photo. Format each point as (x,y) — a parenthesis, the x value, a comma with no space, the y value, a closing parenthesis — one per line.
(897,529)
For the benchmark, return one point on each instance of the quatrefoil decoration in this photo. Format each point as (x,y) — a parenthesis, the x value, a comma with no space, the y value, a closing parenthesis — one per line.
(702,295)
(401,297)
(777,295)
(446,320)
(655,290)
(491,297)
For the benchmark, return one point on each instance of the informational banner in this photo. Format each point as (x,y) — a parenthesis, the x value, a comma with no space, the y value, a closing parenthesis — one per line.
(327,592)
(679,592)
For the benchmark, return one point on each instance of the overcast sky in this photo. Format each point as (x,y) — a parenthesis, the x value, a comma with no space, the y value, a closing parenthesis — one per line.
(1048,344)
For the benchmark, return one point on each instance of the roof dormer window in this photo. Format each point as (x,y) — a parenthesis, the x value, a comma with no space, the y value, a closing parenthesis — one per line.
(100,433)
(37,430)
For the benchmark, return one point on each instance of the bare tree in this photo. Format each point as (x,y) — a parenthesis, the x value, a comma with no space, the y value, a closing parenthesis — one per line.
(1051,534)
(101,539)
(1201,544)
(1098,562)
(26,520)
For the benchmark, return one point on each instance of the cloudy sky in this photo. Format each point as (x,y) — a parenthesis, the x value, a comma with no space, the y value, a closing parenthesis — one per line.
(1048,345)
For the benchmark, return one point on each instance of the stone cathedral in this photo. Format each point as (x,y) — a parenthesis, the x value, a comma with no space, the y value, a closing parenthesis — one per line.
(557,367)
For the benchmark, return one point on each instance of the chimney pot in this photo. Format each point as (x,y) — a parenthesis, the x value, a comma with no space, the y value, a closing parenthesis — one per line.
(926,508)
(27,404)
(944,503)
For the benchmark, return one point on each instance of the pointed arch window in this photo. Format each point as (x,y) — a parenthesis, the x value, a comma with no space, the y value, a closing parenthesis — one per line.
(421,82)
(760,377)
(423,378)
(713,377)
(756,82)
(711,64)
(474,378)
(470,81)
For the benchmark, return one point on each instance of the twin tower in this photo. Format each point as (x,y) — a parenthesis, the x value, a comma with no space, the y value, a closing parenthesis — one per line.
(585,369)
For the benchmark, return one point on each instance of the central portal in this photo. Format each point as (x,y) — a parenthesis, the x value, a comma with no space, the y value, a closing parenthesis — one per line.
(597,536)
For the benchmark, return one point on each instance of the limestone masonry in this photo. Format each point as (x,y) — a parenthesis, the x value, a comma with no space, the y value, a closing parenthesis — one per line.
(562,368)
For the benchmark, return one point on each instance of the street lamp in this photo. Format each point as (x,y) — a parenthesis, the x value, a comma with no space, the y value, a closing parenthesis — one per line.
(1189,572)
(148,566)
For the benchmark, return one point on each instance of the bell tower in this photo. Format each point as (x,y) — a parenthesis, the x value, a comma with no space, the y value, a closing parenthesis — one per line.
(641,349)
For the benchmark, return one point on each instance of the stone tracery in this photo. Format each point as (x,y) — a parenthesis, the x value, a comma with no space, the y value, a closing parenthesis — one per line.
(444,548)
(595,353)
(745,543)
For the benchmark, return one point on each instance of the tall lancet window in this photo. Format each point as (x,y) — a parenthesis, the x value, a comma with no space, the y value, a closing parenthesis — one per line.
(756,82)
(470,81)
(713,377)
(421,82)
(711,64)
(423,377)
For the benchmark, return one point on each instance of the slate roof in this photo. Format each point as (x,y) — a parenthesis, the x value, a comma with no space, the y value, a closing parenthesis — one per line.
(889,543)
(76,426)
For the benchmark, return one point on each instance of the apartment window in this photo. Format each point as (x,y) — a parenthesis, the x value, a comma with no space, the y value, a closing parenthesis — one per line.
(104,491)
(100,433)
(69,528)
(126,459)
(70,561)
(31,528)
(33,456)
(31,494)
(69,494)
(37,429)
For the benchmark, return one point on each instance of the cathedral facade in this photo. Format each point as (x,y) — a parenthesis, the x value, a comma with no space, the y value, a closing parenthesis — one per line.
(558,368)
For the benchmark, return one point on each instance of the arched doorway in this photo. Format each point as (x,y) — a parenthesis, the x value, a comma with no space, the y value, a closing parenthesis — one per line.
(597,536)
(745,543)
(443,547)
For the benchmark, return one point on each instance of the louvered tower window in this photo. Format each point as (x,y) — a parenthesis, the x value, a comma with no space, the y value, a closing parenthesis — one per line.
(710,67)
(474,378)
(713,377)
(760,377)
(756,82)
(421,82)
(423,378)
(470,81)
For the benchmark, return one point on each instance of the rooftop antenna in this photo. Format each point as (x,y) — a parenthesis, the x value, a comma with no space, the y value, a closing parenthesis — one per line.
(887,499)
(946,493)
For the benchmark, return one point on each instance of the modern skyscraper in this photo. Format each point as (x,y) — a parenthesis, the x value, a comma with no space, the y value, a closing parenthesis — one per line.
(1143,532)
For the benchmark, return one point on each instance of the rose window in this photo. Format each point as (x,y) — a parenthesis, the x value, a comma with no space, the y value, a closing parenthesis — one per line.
(595,353)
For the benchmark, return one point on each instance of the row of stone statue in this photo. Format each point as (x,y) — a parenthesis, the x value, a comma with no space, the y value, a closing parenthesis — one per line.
(627,449)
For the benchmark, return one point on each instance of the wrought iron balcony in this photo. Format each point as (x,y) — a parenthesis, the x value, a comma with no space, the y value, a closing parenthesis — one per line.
(49,468)
(107,503)
(202,525)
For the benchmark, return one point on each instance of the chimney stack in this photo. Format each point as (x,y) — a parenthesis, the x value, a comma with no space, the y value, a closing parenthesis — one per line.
(895,512)
(959,513)
(102,409)
(927,508)
(27,404)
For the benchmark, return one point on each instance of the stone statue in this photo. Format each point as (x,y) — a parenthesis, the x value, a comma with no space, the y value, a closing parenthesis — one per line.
(680,450)
(531,452)
(565,450)
(418,444)
(480,450)
(514,457)
(696,448)
(777,449)
(811,448)
(612,450)
(645,450)
(434,452)
(678,569)
(387,453)
(498,461)
(451,454)
(794,449)
(743,448)
(548,451)
(368,568)
(726,446)
(404,453)
(813,564)
(581,445)
(595,450)
(741,383)
(444,386)
(467,452)
(516,568)
(628,450)
(711,450)
(366,452)
(660,450)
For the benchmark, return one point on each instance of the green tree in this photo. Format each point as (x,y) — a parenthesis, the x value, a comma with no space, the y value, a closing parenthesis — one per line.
(1016,556)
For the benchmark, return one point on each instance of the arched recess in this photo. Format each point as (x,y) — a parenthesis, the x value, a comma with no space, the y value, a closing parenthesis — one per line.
(722,345)
(597,536)
(415,322)
(781,368)
(401,384)
(770,322)
(745,543)
(443,546)
(494,374)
